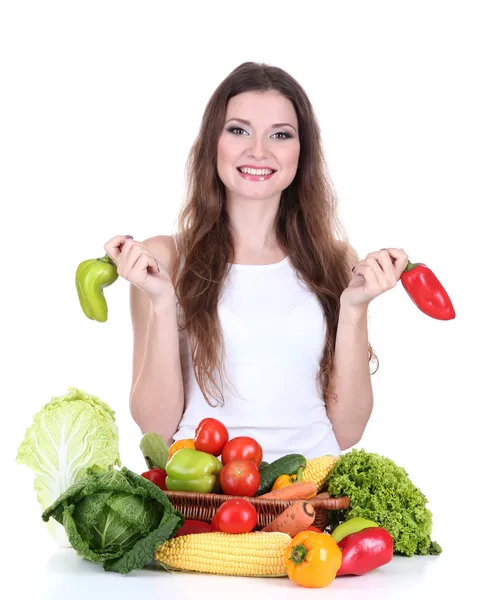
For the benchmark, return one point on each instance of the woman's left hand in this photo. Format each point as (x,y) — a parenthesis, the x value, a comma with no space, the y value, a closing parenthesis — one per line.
(377,273)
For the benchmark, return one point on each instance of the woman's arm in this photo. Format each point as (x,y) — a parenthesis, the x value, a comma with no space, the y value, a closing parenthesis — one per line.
(350,410)
(157,392)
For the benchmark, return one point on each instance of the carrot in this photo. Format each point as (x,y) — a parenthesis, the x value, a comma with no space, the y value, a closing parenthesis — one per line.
(297,517)
(301,490)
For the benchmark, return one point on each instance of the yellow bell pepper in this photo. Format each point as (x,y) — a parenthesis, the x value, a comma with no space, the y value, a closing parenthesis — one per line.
(283,481)
(187,443)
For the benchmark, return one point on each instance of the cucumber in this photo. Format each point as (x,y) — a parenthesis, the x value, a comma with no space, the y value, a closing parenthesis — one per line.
(286,465)
(262,465)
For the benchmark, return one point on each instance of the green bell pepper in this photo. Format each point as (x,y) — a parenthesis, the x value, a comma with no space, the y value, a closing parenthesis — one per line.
(190,470)
(92,276)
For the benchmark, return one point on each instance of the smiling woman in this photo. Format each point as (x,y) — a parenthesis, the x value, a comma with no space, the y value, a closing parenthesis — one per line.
(271,333)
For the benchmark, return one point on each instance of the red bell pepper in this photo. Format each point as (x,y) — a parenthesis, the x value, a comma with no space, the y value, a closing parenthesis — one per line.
(194,526)
(364,551)
(157,476)
(427,292)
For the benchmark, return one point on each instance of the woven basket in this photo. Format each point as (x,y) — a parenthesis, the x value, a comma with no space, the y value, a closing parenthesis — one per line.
(194,505)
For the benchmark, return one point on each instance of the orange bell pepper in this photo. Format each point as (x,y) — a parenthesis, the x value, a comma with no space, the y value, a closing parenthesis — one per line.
(187,443)
(313,559)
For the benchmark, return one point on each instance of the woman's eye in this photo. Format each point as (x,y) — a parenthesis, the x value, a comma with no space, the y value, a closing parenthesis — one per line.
(236,129)
(284,134)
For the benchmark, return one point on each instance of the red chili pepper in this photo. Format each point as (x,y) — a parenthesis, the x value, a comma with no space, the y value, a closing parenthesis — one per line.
(427,292)
(157,476)
(364,551)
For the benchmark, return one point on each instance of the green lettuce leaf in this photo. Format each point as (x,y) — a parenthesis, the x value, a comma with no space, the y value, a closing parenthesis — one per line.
(69,435)
(382,491)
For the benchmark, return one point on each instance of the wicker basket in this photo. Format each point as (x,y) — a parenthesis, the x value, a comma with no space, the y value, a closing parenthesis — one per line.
(194,505)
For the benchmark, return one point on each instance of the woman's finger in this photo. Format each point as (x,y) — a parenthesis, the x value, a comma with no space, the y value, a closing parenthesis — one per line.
(140,263)
(369,273)
(380,275)
(114,246)
(400,260)
(385,262)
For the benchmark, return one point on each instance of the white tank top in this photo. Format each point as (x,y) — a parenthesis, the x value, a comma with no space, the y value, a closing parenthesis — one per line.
(274,331)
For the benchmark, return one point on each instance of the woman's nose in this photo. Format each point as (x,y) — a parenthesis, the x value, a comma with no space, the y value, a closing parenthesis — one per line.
(258,149)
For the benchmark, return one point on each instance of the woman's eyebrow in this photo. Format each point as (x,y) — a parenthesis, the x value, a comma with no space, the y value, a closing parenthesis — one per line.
(245,122)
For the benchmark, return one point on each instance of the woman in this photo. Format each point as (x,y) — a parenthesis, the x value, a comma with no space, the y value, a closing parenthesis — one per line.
(256,312)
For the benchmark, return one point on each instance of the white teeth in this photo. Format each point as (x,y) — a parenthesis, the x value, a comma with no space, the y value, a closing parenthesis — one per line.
(249,171)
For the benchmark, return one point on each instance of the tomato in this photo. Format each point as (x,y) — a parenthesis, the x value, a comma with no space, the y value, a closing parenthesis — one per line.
(235,516)
(157,476)
(313,528)
(240,478)
(211,436)
(242,448)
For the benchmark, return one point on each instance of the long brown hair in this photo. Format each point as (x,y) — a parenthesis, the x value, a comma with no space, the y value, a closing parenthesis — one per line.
(307,228)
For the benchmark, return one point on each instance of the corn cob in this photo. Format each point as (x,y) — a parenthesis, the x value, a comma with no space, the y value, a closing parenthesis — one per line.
(255,554)
(318,469)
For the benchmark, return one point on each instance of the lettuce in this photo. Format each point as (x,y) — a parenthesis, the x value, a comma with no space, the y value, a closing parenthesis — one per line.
(69,435)
(381,491)
(116,518)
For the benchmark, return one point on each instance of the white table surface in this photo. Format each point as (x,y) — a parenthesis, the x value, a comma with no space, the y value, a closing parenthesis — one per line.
(57,573)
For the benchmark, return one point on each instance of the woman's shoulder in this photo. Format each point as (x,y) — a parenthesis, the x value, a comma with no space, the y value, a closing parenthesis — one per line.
(163,248)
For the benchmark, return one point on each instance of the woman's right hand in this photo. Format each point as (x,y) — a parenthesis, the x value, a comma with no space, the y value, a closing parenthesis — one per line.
(136,264)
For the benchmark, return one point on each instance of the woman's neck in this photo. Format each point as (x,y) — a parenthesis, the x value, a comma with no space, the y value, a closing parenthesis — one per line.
(253,227)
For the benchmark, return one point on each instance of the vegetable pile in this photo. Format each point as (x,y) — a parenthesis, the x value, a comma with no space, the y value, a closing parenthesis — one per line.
(124,521)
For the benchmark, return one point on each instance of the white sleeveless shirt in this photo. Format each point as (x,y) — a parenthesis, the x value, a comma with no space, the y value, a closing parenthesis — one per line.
(274,331)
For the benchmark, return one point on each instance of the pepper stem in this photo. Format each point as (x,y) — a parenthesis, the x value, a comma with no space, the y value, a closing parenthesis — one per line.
(409,266)
(298,554)
(299,474)
(107,259)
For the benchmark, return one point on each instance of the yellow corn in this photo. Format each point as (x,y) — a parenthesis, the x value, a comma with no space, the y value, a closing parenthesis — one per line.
(255,554)
(318,469)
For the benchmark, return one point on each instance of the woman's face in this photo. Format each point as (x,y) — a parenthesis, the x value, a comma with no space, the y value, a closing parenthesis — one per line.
(258,150)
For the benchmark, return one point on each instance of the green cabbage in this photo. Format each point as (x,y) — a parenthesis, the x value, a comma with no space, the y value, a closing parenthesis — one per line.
(116,518)
(69,435)
(381,491)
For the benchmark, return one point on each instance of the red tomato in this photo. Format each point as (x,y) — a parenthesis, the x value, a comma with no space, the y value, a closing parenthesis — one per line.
(235,516)
(157,476)
(240,478)
(211,436)
(313,528)
(242,448)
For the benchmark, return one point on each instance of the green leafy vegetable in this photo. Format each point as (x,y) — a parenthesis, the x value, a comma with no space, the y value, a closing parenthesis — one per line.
(380,490)
(69,435)
(116,518)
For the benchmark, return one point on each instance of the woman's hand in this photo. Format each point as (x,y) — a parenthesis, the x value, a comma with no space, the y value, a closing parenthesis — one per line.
(377,273)
(136,264)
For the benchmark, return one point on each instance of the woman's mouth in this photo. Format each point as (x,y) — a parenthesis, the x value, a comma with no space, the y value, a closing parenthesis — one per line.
(256,174)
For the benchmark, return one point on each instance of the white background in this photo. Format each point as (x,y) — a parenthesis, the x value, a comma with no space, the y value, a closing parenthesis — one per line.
(100,103)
